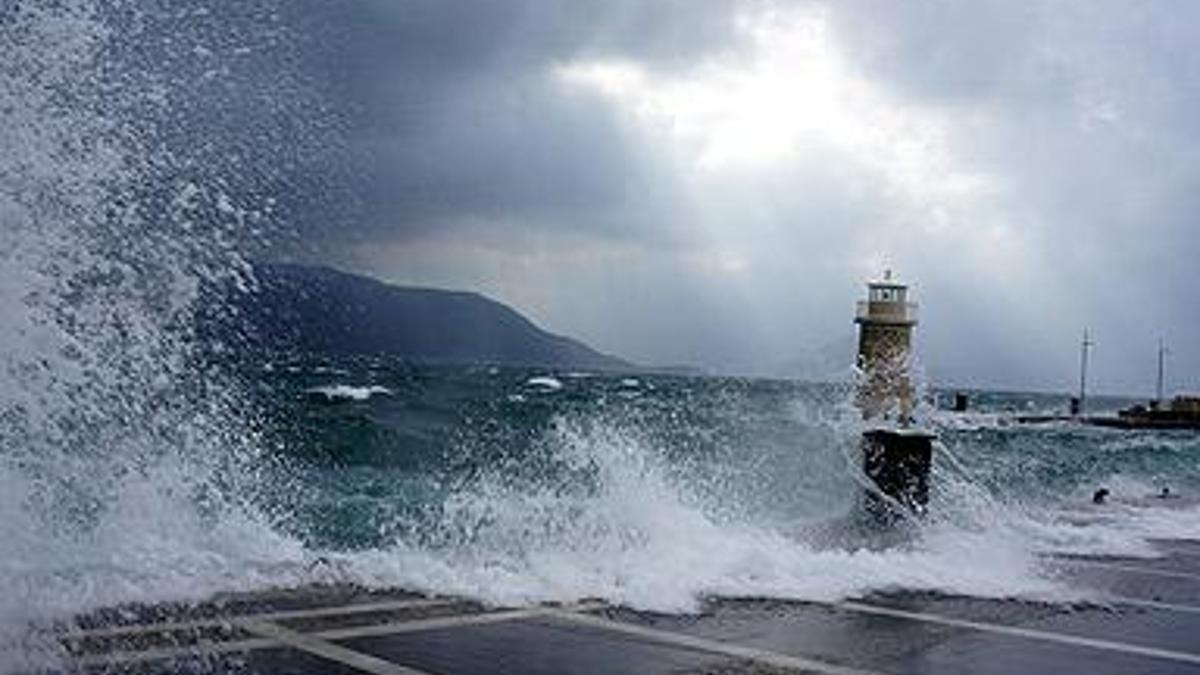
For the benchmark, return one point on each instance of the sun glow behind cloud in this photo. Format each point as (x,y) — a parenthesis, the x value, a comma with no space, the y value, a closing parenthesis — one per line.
(791,92)
(770,138)
(789,100)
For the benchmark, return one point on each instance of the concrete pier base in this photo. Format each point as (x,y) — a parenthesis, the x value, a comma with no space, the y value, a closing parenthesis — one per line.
(961,402)
(898,462)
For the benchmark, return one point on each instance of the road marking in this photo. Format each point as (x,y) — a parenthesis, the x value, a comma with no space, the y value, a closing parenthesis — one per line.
(1154,604)
(166,653)
(320,642)
(1028,633)
(692,642)
(393,628)
(170,653)
(231,621)
(327,650)
(1132,569)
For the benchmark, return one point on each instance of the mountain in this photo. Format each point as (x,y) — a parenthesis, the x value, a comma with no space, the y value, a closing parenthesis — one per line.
(318,310)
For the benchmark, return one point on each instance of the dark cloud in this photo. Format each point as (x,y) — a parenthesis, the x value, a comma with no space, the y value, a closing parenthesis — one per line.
(431,142)
(458,118)
(514,149)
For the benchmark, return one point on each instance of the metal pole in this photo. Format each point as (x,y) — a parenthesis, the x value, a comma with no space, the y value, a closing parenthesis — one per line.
(1083,359)
(1162,352)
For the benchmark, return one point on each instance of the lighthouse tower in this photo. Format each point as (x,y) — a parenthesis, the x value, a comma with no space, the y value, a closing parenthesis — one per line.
(885,326)
(896,458)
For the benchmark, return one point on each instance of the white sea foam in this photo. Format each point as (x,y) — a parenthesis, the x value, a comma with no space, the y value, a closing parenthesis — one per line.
(544,382)
(645,540)
(944,419)
(347,392)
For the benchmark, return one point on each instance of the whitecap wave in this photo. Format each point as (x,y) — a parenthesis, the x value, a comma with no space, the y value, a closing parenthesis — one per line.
(544,382)
(349,392)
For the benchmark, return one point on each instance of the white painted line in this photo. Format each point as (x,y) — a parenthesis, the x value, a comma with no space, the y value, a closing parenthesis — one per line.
(391,628)
(429,624)
(167,653)
(328,650)
(1154,604)
(230,621)
(362,608)
(1132,569)
(1027,633)
(692,642)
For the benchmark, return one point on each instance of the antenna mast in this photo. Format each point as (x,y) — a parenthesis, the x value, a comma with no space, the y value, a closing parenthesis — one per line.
(1083,360)
(1162,353)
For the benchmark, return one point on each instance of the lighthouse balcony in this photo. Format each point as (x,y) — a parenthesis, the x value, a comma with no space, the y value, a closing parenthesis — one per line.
(882,311)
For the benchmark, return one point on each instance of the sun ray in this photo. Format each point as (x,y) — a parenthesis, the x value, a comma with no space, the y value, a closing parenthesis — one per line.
(791,91)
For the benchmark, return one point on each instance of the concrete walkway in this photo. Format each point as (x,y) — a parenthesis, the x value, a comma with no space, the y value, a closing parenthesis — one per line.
(1149,622)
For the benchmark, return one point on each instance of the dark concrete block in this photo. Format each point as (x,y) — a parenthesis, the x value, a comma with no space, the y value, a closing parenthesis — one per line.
(898,462)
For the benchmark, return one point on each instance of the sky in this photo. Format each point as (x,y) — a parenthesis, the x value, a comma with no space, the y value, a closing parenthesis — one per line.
(710,182)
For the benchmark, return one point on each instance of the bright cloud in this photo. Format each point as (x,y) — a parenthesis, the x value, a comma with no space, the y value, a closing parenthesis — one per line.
(791,91)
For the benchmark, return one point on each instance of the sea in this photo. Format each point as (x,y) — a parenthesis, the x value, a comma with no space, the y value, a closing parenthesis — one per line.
(516,486)
(138,466)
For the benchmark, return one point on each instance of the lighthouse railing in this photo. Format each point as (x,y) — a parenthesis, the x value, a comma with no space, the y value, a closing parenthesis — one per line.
(883,310)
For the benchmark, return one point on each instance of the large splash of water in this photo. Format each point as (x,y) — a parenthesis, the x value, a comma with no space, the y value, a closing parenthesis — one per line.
(621,521)
(125,464)
(663,501)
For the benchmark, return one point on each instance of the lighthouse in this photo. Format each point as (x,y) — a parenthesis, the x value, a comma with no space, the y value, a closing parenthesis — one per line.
(885,325)
(896,457)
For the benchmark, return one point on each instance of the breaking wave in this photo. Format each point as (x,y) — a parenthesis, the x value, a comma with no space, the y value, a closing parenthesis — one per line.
(347,392)
(127,465)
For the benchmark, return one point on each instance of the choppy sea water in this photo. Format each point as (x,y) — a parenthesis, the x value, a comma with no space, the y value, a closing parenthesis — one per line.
(518,486)
(523,485)
(134,468)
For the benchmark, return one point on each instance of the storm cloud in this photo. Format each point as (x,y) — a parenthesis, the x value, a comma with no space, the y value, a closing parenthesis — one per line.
(711,182)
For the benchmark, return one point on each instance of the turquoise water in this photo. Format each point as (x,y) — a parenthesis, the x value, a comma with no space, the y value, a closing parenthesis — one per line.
(382,466)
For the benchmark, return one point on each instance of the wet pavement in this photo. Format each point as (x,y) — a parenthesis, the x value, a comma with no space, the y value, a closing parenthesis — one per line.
(1145,619)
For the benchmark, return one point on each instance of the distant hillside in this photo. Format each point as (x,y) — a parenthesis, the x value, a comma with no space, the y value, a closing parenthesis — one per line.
(297,308)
